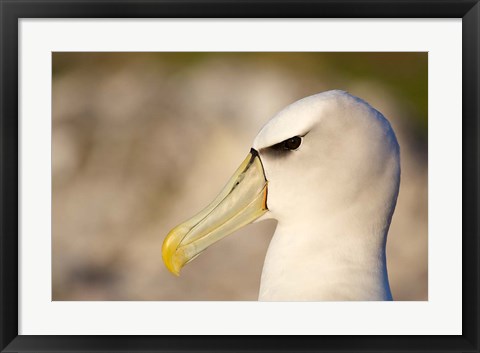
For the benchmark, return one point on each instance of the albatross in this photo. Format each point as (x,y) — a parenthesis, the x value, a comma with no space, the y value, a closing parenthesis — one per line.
(327,168)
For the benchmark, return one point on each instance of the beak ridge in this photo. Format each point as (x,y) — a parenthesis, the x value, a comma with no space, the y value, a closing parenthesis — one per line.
(241,201)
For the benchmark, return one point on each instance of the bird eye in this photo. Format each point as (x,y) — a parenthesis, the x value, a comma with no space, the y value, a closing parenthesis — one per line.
(281,149)
(292,143)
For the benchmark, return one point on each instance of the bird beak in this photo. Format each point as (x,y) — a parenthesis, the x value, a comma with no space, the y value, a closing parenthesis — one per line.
(241,201)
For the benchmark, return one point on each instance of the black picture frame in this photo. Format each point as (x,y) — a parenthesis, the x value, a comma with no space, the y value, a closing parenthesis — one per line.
(12,10)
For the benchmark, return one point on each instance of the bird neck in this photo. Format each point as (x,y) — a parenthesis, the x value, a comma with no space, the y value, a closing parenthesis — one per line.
(337,260)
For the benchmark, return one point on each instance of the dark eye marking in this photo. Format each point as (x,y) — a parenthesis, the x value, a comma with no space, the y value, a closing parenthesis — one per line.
(290,144)
(282,148)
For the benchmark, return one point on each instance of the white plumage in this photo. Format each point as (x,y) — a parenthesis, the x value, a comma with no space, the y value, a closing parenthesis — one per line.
(333,197)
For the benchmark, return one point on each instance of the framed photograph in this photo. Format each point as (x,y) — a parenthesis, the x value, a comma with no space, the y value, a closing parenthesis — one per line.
(239,176)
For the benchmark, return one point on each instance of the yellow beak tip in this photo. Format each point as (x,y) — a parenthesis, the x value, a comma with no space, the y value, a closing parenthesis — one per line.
(172,267)
(242,200)
(169,256)
(175,272)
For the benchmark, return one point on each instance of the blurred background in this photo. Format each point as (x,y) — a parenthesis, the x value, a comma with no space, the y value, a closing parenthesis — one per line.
(142,141)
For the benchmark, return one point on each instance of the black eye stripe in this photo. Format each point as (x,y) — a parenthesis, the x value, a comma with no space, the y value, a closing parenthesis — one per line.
(289,144)
(292,143)
(283,148)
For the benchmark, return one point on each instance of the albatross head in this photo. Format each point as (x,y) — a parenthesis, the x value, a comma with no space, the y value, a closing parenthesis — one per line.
(327,167)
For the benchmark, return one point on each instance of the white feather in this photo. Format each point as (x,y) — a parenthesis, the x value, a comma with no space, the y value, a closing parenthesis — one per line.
(333,198)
